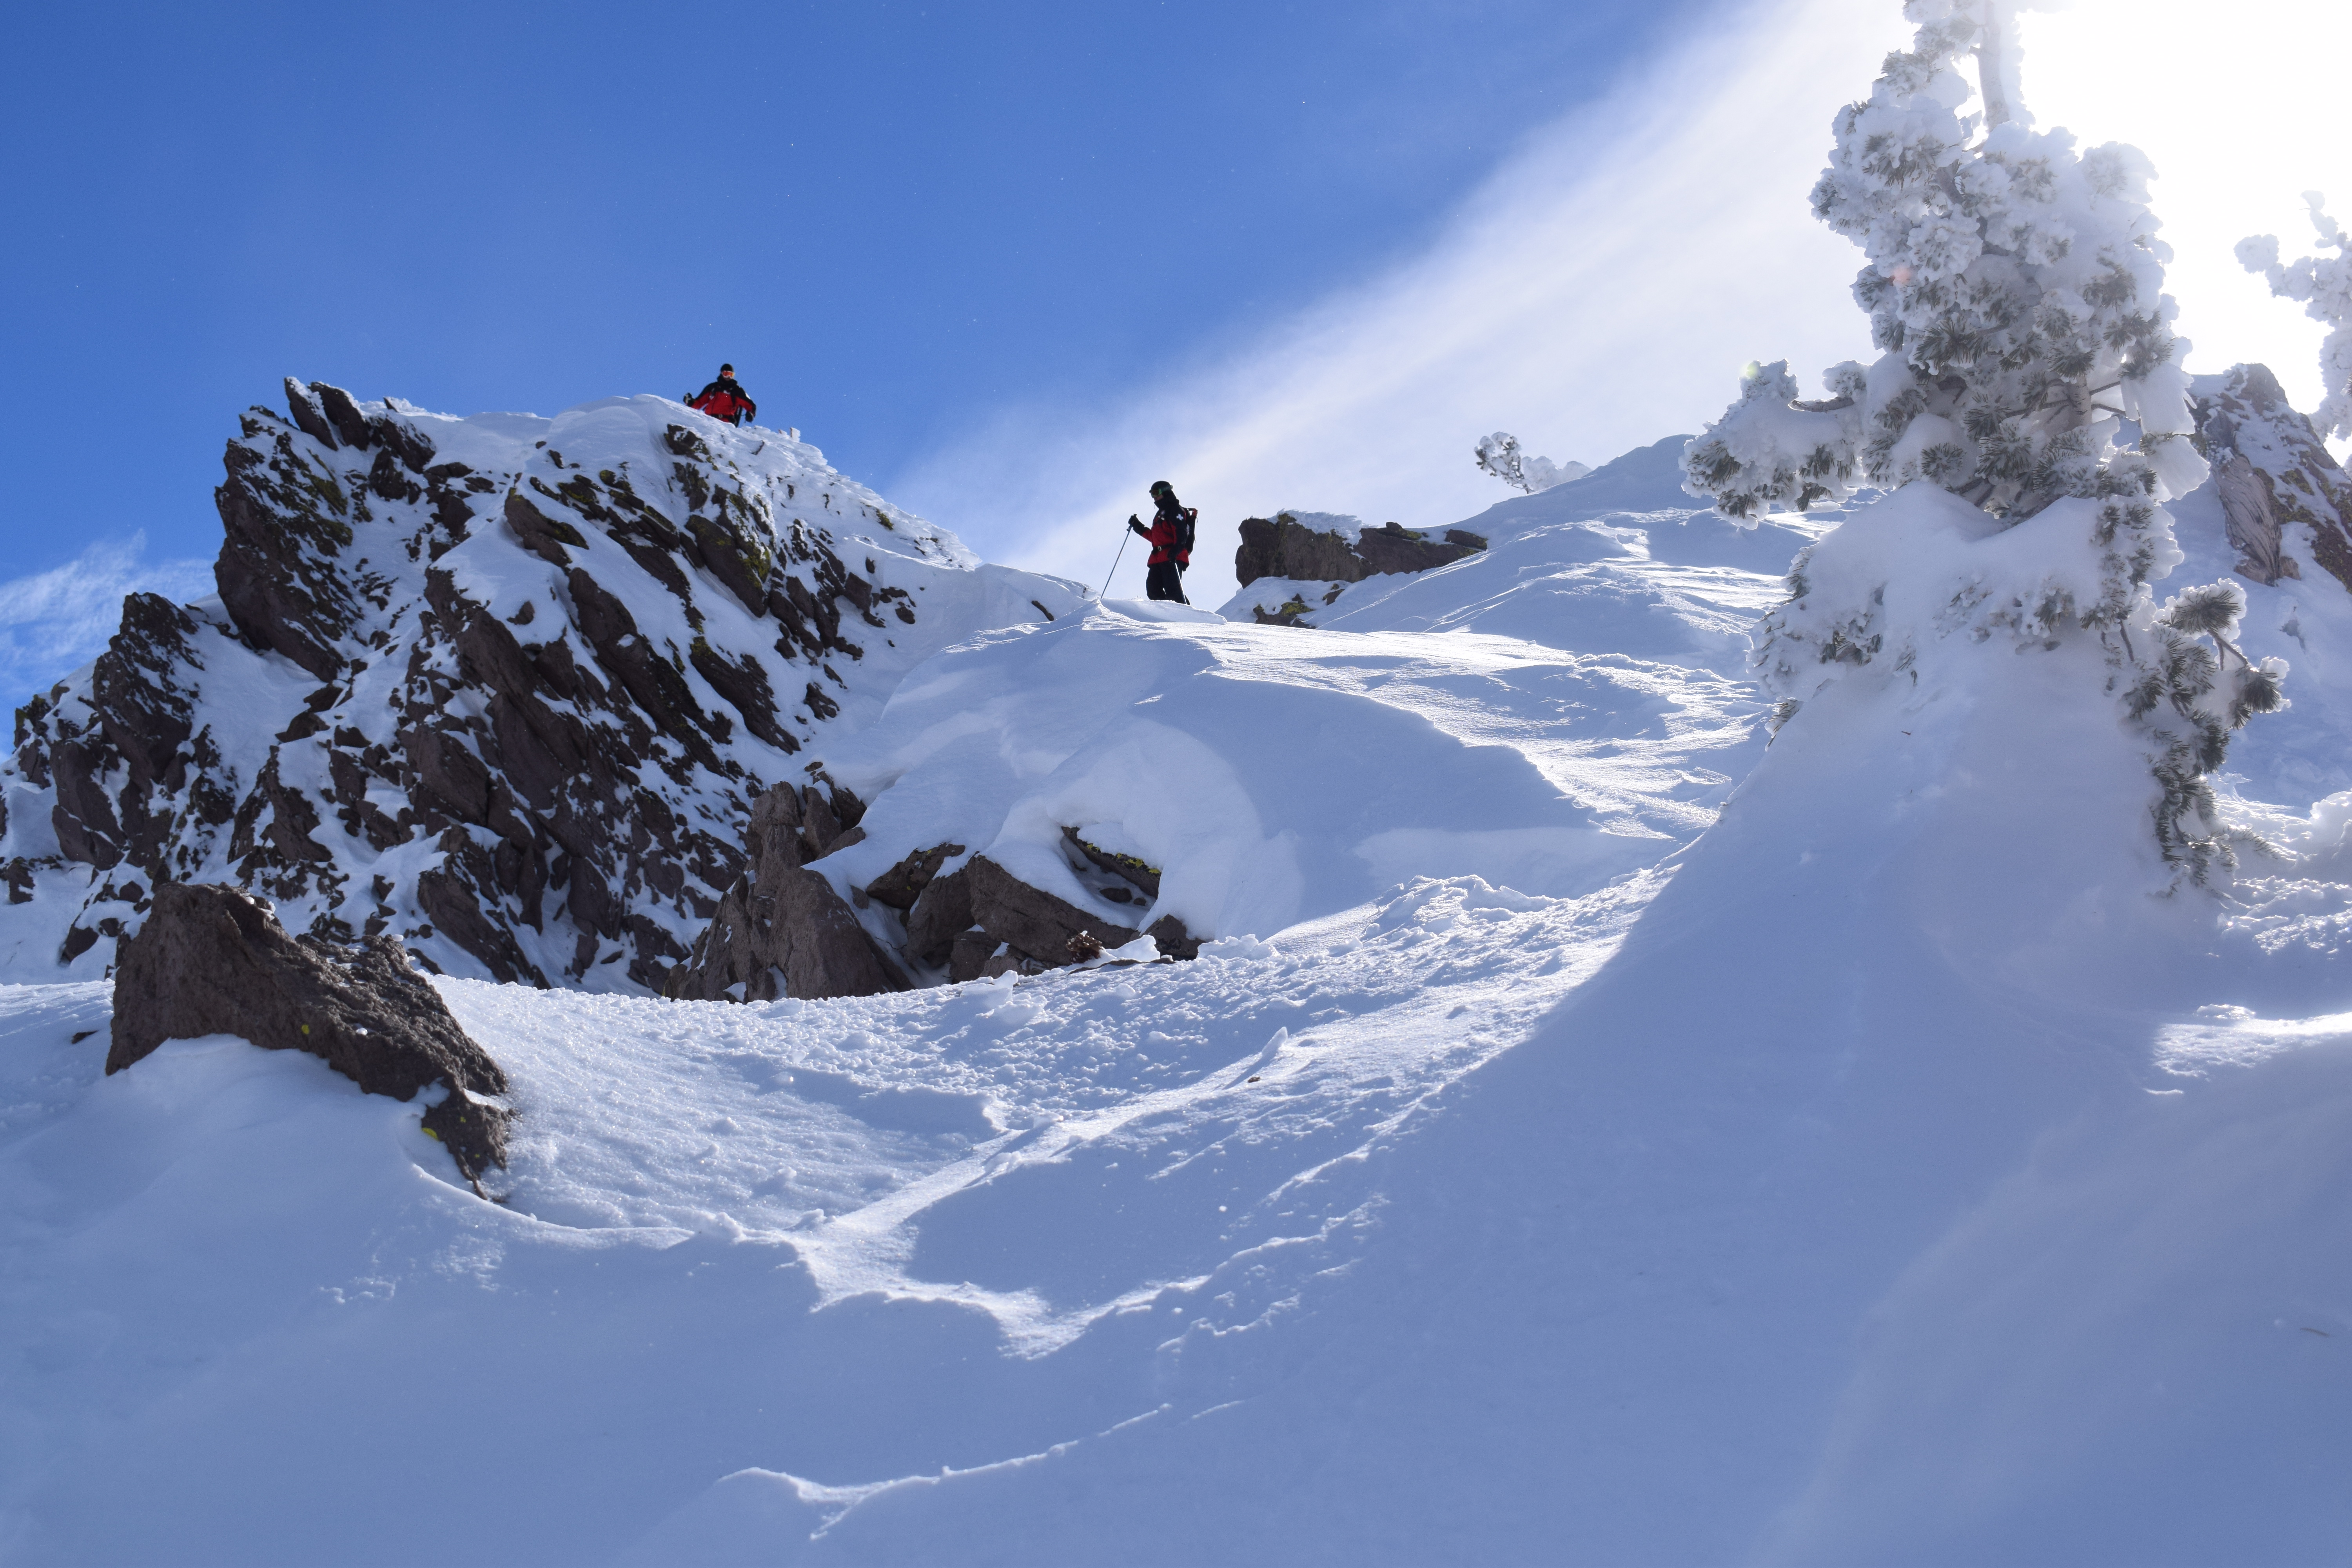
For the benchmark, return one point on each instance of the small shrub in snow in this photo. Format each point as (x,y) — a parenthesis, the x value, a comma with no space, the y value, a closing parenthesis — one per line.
(2324,286)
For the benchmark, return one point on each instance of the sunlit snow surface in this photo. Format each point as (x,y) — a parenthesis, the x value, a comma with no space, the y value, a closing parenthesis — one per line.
(1891,1171)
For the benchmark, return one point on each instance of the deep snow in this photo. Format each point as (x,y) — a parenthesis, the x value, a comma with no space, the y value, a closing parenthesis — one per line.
(1889,1170)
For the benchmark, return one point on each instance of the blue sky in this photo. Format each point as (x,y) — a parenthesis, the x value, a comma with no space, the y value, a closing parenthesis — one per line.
(1007,263)
(894,219)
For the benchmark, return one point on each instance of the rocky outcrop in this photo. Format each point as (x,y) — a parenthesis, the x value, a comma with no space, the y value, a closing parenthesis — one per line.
(1129,868)
(213,960)
(2271,471)
(512,700)
(779,929)
(1393,548)
(1283,547)
(905,882)
(1033,924)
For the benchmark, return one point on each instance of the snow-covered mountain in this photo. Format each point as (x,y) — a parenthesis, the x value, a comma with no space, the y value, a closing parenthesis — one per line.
(505,685)
(1588,1134)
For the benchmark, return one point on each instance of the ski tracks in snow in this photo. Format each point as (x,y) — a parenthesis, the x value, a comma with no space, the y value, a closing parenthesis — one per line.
(958,1145)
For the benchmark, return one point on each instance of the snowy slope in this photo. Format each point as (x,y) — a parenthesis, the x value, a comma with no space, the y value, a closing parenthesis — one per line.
(1894,1168)
(1620,562)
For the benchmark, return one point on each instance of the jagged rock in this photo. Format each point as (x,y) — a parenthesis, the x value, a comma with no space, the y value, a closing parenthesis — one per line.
(1393,548)
(1168,933)
(213,960)
(1285,547)
(781,930)
(600,743)
(2270,469)
(971,955)
(940,916)
(1034,923)
(903,883)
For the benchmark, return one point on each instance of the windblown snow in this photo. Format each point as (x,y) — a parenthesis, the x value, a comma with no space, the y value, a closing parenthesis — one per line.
(1590,1136)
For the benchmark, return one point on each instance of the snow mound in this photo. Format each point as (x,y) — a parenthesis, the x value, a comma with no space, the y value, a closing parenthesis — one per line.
(1618,562)
(1274,776)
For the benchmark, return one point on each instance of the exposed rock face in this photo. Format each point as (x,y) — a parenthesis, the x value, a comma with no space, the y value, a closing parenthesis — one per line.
(1037,925)
(902,884)
(1145,878)
(1392,547)
(2272,471)
(781,930)
(504,686)
(213,960)
(1283,547)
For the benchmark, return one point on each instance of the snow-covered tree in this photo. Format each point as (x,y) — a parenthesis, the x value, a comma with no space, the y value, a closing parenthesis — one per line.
(1501,456)
(2014,285)
(2014,289)
(2324,284)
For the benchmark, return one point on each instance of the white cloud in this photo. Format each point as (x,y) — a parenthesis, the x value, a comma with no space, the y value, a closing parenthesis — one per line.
(55,621)
(1603,287)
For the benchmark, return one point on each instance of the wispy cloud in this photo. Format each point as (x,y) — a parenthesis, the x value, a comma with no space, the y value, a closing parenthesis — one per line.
(1599,290)
(53,622)
(1603,287)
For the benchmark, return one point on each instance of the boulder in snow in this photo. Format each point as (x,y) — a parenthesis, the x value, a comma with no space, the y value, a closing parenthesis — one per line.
(781,930)
(213,960)
(1034,923)
(903,883)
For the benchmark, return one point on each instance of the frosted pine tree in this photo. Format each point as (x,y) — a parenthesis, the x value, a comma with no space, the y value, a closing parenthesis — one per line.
(1501,456)
(2014,286)
(2324,284)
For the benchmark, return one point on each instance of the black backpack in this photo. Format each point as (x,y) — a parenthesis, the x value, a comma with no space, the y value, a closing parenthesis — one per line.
(1189,517)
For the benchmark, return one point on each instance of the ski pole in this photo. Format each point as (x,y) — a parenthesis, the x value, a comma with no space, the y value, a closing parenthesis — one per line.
(1114,564)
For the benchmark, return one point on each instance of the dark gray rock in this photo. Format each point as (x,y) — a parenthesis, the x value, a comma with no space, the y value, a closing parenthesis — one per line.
(213,960)
(969,957)
(1285,547)
(903,884)
(614,769)
(1033,922)
(781,930)
(1168,933)
(1393,548)
(941,915)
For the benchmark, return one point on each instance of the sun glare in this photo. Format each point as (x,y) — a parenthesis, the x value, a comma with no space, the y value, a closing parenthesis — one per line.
(2241,108)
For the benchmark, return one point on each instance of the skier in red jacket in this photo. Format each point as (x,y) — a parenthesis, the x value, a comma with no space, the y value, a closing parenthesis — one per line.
(725,399)
(1171,534)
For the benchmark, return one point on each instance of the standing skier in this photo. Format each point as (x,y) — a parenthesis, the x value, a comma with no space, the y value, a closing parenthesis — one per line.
(1171,535)
(725,399)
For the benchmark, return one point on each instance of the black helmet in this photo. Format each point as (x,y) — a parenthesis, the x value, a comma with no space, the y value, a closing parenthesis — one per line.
(1162,487)
(726,370)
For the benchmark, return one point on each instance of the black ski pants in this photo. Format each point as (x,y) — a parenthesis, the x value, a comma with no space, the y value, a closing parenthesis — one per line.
(1165,581)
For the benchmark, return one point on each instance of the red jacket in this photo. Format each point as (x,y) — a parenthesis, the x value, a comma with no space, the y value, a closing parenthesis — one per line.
(724,399)
(1167,536)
